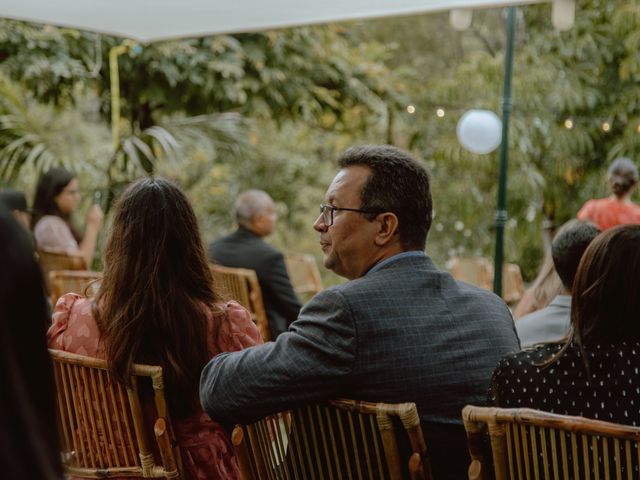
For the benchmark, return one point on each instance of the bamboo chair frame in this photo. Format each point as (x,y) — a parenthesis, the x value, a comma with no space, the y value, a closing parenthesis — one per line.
(60,260)
(51,259)
(479,271)
(241,284)
(303,273)
(103,430)
(83,282)
(338,439)
(531,444)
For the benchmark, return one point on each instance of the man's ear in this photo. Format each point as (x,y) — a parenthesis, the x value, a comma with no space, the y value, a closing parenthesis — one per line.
(388,228)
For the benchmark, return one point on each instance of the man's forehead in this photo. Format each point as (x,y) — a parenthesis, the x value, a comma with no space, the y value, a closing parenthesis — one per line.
(348,181)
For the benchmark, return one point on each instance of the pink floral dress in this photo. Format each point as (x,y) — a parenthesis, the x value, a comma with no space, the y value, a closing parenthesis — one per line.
(207,453)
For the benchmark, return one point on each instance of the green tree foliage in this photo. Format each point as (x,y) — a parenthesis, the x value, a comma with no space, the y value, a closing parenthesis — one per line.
(587,75)
(311,73)
(302,95)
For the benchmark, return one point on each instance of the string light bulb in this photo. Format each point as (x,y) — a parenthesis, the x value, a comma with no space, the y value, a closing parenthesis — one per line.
(411,109)
(440,112)
(606,126)
(568,124)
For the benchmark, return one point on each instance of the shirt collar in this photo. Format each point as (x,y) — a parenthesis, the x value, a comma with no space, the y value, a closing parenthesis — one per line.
(387,261)
(561,301)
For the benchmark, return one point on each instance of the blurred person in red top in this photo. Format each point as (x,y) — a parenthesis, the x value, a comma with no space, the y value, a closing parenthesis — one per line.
(617,208)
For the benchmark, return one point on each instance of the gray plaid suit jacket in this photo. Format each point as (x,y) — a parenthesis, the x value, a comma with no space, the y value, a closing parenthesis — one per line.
(407,332)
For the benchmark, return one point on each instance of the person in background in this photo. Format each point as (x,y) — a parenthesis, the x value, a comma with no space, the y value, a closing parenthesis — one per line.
(594,373)
(56,199)
(29,446)
(400,330)
(617,208)
(157,304)
(552,322)
(16,202)
(546,286)
(245,248)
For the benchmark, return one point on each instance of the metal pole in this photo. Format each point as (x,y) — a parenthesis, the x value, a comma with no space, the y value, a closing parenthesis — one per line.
(507,104)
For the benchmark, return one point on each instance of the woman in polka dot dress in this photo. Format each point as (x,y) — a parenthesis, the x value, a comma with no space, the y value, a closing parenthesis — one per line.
(595,373)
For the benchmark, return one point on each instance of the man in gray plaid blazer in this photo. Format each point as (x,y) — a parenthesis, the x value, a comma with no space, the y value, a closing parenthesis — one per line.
(400,330)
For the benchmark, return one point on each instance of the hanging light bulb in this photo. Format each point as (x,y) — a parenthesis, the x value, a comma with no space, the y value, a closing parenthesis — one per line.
(563,14)
(568,124)
(411,109)
(606,126)
(440,112)
(460,19)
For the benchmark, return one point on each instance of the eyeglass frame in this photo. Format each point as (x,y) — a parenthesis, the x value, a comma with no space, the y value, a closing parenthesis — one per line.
(332,209)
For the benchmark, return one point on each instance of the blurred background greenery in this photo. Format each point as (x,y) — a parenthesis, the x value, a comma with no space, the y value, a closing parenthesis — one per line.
(272,110)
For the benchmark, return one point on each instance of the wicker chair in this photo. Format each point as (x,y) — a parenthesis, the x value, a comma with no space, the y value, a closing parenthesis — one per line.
(241,284)
(84,282)
(103,430)
(338,439)
(303,273)
(531,444)
(59,260)
(478,271)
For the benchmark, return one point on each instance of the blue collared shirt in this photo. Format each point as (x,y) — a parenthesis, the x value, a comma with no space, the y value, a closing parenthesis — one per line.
(386,261)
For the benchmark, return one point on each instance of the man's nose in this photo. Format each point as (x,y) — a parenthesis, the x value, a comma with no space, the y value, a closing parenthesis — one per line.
(319,225)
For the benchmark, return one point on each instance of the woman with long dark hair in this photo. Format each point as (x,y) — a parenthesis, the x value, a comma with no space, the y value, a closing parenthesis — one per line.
(156,304)
(595,373)
(57,197)
(28,432)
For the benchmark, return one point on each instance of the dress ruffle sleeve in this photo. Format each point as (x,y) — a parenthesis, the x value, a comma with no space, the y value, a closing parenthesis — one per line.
(73,327)
(60,320)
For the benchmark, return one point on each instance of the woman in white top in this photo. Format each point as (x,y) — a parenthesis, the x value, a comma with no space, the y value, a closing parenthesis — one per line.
(57,197)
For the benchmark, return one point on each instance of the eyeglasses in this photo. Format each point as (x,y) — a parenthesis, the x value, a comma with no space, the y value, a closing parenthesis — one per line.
(327,212)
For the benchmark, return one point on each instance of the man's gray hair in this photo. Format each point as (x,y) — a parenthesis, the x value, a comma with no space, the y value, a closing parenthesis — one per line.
(249,204)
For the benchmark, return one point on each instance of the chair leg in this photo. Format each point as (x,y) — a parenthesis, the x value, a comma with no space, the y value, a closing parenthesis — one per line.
(416,470)
(242,454)
(164,445)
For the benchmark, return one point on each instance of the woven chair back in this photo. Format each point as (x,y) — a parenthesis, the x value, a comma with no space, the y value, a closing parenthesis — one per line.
(83,282)
(340,439)
(303,273)
(59,260)
(103,430)
(241,284)
(479,271)
(532,444)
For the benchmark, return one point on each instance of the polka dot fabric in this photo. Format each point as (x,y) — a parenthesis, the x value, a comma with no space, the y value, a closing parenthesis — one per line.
(607,388)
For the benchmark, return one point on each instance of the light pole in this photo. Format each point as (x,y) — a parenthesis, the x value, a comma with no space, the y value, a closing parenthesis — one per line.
(507,105)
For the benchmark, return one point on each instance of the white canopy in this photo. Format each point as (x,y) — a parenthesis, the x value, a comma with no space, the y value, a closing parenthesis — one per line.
(153,20)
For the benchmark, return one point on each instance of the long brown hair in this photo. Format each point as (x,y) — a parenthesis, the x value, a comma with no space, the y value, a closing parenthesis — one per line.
(605,307)
(50,185)
(152,303)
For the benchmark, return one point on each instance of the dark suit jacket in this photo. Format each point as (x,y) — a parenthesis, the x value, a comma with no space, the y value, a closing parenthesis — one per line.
(404,333)
(245,249)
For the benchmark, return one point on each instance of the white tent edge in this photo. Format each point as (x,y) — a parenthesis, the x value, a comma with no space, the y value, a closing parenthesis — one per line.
(147,21)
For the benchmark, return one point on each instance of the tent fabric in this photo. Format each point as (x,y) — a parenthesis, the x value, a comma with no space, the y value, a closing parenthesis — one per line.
(154,20)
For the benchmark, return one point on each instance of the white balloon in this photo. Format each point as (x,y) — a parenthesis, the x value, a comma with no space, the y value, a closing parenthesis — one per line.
(479,131)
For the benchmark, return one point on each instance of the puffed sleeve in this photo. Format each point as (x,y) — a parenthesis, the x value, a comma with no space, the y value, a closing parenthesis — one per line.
(586,212)
(60,320)
(237,330)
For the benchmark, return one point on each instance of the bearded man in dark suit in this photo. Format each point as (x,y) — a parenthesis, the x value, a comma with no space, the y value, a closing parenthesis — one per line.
(245,248)
(400,330)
